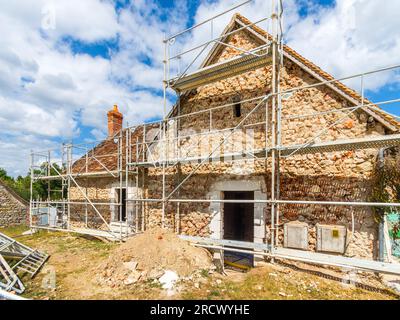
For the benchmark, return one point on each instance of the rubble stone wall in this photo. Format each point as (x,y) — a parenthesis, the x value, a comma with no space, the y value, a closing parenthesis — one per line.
(321,176)
(97,190)
(12,210)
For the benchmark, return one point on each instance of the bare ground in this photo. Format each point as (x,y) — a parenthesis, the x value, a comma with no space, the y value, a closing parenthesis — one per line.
(75,261)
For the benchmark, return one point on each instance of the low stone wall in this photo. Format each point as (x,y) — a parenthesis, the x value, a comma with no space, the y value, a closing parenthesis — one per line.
(13,211)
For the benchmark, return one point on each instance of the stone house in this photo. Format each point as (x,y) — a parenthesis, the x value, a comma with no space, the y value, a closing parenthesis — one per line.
(13,208)
(324,176)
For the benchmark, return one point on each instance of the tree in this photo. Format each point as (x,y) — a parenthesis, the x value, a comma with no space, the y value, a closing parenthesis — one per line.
(22,185)
(41,187)
(5,177)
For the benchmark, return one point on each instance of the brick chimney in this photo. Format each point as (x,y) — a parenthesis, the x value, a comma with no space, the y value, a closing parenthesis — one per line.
(114,121)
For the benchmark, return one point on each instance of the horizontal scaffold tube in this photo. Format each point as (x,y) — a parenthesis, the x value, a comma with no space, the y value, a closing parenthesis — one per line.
(74,202)
(208,20)
(305,202)
(300,202)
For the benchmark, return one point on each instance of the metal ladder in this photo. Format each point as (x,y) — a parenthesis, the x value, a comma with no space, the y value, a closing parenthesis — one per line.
(28,260)
(9,281)
(31,263)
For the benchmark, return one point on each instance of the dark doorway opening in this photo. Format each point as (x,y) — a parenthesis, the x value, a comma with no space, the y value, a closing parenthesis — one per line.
(122,200)
(239,217)
(239,226)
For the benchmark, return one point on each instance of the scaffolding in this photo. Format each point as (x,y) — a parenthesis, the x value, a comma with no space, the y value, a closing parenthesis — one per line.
(54,213)
(168,150)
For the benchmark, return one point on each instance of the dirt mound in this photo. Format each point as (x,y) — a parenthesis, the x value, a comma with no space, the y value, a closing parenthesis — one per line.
(149,255)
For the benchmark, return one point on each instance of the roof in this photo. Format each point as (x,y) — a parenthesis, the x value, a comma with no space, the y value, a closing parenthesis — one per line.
(323,74)
(15,195)
(106,151)
(104,157)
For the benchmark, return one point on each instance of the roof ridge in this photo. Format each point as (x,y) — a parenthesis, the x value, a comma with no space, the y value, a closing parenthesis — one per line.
(339,85)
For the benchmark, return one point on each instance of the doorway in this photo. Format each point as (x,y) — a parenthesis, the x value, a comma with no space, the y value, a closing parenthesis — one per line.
(121,198)
(239,217)
(238,225)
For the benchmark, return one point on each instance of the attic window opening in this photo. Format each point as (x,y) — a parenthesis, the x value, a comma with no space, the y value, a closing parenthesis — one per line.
(237,107)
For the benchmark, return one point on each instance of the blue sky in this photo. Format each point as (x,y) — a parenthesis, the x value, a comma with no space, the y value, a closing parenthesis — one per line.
(65,63)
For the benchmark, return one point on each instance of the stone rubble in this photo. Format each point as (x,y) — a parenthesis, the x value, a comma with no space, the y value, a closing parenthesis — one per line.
(156,255)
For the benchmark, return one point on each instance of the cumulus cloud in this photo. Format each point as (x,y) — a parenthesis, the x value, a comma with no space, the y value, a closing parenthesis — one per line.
(88,20)
(49,93)
(46,90)
(144,25)
(345,38)
(351,37)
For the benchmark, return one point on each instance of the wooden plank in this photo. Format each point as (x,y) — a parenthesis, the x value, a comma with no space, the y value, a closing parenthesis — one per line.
(225,69)
(298,255)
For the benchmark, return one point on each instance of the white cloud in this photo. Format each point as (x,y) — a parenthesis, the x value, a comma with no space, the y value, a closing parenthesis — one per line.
(15,151)
(355,36)
(47,91)
(139,62)
(347,38)
(17,116)
(88,20)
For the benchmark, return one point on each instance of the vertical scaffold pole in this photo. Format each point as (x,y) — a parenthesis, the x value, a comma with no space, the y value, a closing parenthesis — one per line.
(63,168)
(128,194)
(178,168)
(144,205)
(86,189)
(137,187)
(69,173)
(279,113)
(274,18)
(165,84)
(120,175)
(31,190)
(48,181)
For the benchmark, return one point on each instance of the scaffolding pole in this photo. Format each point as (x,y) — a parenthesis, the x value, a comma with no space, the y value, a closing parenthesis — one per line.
(274,149)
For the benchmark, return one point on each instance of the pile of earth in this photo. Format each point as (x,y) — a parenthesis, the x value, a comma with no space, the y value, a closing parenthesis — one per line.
(151,255)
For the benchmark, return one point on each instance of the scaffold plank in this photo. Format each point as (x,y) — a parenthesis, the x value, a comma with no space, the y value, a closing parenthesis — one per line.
(344,145)
(331,146)
(223,70)
(297,255)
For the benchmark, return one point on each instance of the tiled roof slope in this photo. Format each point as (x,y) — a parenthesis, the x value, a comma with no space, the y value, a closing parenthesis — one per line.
(321,73)
(106,152)
(107,149)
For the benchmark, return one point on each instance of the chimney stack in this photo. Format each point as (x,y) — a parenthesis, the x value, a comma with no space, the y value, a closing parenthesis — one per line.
(114,121)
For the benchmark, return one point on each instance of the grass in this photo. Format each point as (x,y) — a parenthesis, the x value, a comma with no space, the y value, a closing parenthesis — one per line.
(74,259)
(277,283)
(204,273)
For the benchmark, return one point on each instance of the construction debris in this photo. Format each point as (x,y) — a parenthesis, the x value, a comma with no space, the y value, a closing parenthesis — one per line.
(168,280)
(156,254)
(17,258)
(29,232)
